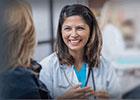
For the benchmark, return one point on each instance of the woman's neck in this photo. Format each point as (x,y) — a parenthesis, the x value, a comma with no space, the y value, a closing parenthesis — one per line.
(78,59)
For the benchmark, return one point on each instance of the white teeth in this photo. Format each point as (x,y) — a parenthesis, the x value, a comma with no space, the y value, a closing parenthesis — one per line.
(74,42)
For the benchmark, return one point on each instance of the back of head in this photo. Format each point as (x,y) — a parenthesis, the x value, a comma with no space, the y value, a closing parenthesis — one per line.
(17,34)
(107,13)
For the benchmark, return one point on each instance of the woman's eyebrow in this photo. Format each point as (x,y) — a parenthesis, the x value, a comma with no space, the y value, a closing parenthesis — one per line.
(80,25)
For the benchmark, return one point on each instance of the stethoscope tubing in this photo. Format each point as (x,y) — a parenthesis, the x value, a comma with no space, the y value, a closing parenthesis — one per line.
(93,79)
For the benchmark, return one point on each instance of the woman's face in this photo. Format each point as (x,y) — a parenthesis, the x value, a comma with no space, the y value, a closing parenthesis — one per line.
(75,33)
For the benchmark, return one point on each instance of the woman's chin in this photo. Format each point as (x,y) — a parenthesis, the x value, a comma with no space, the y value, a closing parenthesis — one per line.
(75,48)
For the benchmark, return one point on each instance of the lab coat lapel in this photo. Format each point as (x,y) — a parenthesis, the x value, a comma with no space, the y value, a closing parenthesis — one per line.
(66,73)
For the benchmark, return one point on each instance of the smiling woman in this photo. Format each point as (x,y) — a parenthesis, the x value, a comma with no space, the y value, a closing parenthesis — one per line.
(76,70)
(75,33)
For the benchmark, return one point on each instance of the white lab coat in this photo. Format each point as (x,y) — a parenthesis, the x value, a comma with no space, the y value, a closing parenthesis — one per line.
(52,75)
(113,42)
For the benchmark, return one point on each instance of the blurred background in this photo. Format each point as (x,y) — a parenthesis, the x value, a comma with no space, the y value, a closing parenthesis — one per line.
(119,21)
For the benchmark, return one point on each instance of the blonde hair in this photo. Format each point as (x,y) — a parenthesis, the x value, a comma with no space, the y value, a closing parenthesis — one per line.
(18,33)
(108,13)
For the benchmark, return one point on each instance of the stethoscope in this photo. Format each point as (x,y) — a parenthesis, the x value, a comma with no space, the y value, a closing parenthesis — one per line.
(90,70)
(93,80)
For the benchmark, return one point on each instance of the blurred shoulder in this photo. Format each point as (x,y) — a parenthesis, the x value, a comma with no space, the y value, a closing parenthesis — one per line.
(106,64)
(104,60)
(49,59)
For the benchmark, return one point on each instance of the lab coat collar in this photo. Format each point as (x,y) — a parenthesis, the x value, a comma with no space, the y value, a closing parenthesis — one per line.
(70,75)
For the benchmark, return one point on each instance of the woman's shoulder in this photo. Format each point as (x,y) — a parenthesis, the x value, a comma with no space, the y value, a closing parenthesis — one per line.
(21,79)
(104,60)
(105,63)
(107,67)
(49,59)
(52,59)
(16,77)
(109,28)
(19,72)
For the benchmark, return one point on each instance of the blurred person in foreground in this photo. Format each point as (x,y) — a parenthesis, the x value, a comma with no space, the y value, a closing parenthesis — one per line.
(132,94)
(76,70)
(17,43)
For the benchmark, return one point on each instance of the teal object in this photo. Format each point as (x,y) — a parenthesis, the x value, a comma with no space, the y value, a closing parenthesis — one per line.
(81,74)
(129,60)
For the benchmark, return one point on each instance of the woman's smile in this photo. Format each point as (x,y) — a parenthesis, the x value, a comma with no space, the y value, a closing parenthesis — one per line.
(75,33)
(74,42)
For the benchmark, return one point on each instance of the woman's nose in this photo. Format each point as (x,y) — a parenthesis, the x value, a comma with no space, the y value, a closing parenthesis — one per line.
(74,32)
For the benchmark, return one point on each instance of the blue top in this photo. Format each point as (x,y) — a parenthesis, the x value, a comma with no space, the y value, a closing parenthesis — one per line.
(81,74)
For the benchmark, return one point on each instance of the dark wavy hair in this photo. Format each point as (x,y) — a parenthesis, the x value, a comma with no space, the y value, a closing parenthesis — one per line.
(92,49)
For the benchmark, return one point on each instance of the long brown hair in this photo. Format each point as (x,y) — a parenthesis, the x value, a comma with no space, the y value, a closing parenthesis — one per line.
(93,47)
(17,40)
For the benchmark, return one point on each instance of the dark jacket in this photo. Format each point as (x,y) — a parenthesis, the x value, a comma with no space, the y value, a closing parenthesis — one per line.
(22,83)
(133,94)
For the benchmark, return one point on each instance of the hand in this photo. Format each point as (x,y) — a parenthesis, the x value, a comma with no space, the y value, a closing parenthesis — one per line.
(76,92)
(101,95)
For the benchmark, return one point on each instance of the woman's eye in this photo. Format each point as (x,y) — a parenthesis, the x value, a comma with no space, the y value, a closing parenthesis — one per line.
(67,28)
(80,28)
